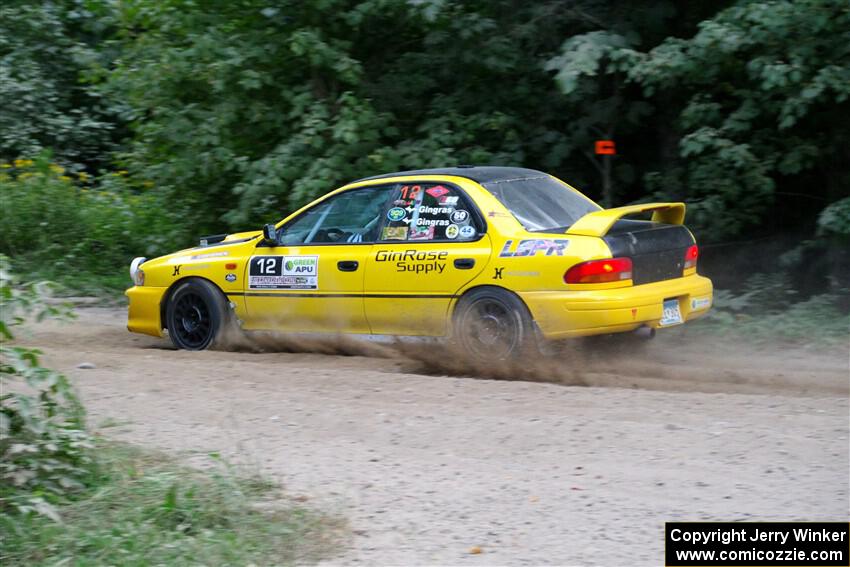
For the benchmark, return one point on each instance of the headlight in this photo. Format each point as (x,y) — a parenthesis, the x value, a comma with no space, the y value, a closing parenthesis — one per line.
(136,273)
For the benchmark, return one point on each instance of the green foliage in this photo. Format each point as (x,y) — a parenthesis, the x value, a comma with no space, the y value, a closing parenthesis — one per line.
(44,49)
(769,309)
(759,96)
(835,220)
(146,510)
(44,448)
(81,231)
(247,111)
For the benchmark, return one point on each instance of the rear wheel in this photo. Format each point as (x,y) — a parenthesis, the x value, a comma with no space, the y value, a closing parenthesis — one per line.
(493,324)
(196,315)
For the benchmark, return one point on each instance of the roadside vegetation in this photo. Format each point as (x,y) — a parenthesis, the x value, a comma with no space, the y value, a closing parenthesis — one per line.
(820,321)
(70,497)
(139,508)
(79,230)
(133,128)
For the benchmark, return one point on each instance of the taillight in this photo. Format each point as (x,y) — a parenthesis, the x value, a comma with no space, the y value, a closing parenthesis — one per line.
(600,271)
(691,257)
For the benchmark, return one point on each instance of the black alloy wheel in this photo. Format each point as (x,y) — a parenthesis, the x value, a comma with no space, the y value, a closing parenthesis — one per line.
(196,314)
(493,324)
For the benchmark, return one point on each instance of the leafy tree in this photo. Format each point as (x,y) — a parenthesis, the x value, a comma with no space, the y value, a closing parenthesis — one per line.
(44,48)
(250,111)
(761,100)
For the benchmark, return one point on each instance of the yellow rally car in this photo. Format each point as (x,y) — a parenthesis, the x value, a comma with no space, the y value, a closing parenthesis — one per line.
(496,257)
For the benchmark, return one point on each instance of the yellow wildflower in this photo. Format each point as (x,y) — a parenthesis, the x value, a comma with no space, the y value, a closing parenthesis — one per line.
(122,172)
(24,176)
(23,162)
(5,166)
(57,168)
(83,176)
(65,178)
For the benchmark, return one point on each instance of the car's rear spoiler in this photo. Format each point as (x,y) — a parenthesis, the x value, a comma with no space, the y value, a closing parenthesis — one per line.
(598,223)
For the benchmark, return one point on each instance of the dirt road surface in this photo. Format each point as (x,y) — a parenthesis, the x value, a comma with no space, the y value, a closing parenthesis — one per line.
(427,467)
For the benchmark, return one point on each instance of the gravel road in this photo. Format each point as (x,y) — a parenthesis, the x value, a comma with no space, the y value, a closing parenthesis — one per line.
(430,469)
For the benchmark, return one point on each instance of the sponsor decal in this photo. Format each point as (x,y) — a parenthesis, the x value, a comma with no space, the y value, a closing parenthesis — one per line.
(422,233)
(394,233)
(493,214)
(396,214)
(452,231)
(427,210)
(448,200)
(522,274)
(193,268)
(432,222)
(531,247)
(176,271)
(700,303)
(283,272)
(498,274)
(209,255)
(230,277)
(415,261)
(437,191)
(459,216)
(467,231)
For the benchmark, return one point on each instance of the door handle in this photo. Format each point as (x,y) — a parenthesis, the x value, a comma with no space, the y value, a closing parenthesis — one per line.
(347,265)
(464,263)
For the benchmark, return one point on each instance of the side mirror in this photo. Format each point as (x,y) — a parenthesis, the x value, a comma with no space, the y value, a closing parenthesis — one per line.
(270,234)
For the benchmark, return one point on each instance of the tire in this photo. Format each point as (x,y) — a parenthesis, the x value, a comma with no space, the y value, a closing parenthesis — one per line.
(491,323)
(197,315)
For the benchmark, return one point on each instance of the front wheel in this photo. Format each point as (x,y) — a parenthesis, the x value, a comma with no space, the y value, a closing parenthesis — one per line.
(196,315)
(493,324)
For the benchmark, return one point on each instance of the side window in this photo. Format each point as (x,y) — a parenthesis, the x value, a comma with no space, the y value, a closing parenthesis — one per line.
(350,217)
(430,211)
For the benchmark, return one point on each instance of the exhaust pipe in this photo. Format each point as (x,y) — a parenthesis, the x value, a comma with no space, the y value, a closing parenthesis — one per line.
(644,332)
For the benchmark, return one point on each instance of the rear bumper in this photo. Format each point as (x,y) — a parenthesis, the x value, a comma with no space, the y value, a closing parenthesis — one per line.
(143,314)
(562,314)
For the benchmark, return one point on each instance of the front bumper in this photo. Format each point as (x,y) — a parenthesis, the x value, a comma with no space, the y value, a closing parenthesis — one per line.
(143,314)
(563,314)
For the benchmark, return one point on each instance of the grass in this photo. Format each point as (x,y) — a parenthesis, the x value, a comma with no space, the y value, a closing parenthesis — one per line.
(143,509)
(817,323)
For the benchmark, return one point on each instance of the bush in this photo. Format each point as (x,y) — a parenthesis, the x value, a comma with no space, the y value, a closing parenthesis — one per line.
(79,231)
(44,448)
(768,308)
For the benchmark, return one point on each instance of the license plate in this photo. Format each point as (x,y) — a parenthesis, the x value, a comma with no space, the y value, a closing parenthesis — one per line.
(671,315)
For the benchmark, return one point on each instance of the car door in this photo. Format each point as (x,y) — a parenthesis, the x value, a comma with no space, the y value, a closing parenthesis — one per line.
(432,243)
(312,281)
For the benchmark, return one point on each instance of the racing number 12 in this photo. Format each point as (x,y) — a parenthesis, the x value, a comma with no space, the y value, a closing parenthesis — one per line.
(268,265)
(408,192)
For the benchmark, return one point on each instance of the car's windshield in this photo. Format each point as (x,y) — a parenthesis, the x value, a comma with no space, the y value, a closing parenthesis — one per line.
(541,203)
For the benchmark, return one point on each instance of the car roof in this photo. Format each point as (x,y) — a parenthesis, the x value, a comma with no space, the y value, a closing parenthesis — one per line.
(477,173)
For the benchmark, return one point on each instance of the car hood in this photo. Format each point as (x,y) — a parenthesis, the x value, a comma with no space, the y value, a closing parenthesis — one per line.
(203,252)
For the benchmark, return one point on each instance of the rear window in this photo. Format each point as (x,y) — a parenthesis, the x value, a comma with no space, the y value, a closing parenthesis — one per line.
(541,204)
